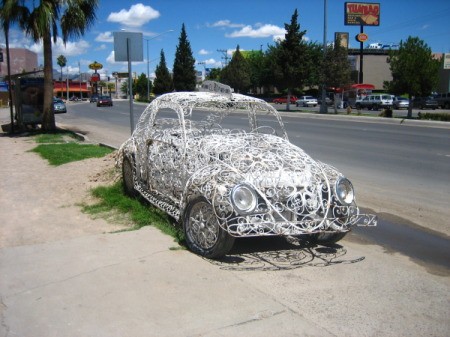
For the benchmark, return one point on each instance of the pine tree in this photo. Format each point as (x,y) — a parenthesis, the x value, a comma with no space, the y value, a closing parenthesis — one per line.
(292,65)
(184,76)
(237,74)
(163,82)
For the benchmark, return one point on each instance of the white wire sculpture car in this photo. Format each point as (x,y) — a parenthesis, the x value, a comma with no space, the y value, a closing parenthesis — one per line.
(221,164)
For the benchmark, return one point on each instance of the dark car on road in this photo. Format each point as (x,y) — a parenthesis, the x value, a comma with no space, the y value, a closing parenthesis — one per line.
(425,103)
(93,98)
(104,101)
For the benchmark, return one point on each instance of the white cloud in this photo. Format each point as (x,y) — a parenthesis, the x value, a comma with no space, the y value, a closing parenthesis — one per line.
(226,23)
(101,47)
(136,16)
(105,37)
(59,48)
(204,52)
(262,31)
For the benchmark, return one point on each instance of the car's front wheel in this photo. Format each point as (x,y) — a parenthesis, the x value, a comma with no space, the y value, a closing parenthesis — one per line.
(326,238)
(128,178)
(202,232)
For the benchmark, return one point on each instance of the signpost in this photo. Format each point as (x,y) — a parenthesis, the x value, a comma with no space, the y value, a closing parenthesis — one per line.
(361,14)
(128,47)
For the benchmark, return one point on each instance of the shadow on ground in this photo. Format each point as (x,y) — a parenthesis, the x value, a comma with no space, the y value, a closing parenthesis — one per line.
(279,253)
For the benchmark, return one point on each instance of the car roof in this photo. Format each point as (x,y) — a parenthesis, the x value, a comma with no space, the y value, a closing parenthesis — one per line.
(221,101)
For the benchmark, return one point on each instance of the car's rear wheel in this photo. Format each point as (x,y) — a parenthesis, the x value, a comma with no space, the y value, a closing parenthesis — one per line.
(202,232)
(326,238)
(128,178)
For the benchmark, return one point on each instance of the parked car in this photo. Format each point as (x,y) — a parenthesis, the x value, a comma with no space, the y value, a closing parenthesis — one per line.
(74,98)
(104,101)
(306,101)
(283,100)
(400,102)
(93,98)
(328,100)
(59,106)
(220,183)
(443,100)
(425,103)
(376,101)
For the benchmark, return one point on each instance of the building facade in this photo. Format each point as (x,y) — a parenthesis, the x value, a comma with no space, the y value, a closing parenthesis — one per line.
(22,60)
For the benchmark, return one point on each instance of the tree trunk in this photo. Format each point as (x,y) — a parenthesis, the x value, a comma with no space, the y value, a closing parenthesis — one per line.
(288,102)
(410,107)
(48,117)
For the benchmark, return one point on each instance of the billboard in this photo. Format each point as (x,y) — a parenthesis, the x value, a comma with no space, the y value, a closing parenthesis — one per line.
(447,61)
(342,37)
(362,14)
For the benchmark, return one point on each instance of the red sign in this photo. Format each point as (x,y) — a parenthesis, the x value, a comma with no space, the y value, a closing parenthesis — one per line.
(362,14)
(362,37)
(95,77)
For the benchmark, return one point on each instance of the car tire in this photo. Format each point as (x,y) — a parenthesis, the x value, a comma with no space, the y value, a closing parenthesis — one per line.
(326,238)
(202,232)
(128,178)
(358,106)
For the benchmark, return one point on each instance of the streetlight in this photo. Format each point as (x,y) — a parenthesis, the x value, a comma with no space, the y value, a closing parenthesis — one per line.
(323,106)
(148,60)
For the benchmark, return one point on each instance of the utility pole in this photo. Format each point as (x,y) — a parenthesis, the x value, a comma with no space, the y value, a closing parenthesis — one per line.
(225,55)
(323,106)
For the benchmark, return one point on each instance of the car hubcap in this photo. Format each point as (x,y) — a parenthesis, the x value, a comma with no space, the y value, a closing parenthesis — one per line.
(203,227)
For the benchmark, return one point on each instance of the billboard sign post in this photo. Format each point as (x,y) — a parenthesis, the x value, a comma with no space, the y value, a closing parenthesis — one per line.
(361,14)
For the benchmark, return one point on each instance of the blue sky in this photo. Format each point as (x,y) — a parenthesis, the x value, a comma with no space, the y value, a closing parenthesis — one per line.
(222,25)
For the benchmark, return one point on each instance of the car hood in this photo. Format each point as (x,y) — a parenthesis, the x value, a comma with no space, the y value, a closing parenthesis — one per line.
(264,161)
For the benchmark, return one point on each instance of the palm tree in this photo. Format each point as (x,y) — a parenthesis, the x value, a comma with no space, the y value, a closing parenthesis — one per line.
(62,61)
(9,14)
(41,22)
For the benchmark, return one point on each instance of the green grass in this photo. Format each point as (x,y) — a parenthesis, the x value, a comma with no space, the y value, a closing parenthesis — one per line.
(58,137)
(59,154)
(113,199)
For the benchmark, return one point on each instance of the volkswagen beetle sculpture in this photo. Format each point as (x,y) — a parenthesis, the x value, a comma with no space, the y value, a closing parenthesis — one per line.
(222,165)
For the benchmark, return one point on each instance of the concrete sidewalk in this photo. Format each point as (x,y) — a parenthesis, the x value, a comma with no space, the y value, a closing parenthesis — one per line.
(59,276)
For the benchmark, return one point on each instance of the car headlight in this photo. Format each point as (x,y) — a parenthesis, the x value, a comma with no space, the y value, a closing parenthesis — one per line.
(244,199)
(344,191)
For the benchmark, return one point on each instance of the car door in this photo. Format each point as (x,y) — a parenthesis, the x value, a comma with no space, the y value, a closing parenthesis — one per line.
(165,157)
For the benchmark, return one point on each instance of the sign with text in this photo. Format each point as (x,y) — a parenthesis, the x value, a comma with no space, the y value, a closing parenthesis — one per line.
(362,14)
(447,61)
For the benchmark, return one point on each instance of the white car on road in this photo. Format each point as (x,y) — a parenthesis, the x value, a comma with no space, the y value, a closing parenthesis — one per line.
(306,101)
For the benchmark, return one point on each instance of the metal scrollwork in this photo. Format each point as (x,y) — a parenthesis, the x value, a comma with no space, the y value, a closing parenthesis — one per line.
(194,152)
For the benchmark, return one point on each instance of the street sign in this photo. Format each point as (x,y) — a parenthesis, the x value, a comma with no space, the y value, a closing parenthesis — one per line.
(134,41)
(95,77)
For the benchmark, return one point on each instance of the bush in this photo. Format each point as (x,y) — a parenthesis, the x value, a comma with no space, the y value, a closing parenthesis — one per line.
(443,117)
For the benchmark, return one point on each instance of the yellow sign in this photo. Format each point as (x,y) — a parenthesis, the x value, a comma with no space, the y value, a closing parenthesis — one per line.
(95,66)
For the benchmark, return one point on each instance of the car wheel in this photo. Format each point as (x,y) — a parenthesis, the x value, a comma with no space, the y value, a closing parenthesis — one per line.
(326,238)
(128,178)
(358,106)
(202,232)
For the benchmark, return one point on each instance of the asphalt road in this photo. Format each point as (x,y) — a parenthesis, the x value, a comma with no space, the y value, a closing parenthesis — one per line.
(399,170)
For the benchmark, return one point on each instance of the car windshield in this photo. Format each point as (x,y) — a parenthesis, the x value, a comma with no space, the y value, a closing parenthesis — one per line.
(199,115)
(57,100)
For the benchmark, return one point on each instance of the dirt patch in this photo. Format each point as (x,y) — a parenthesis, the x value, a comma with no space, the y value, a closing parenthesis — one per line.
(40,203)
